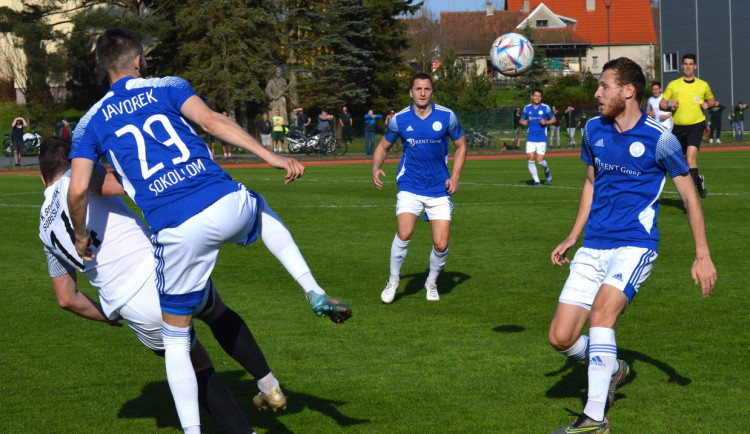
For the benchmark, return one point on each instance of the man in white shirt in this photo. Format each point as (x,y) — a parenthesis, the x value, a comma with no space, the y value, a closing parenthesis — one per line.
(653,110)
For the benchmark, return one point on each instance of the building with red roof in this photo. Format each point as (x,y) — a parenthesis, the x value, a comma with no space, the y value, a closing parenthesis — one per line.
(625,28)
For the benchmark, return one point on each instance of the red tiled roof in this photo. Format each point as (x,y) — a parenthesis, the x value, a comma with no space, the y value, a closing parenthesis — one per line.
(474,32)
(631,21)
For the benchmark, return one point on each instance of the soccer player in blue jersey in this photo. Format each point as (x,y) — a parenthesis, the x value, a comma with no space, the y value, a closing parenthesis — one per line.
(190,203)
(628,155)
(423,179)
(536,116)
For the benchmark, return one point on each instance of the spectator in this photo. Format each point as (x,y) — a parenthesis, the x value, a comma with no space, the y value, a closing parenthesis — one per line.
(324,121)
(554,129)
(345,120)
(715,114)
(278,131)
(571,124)
(265,129)
(65,130)
(16,138)
(370,119)
(302,120)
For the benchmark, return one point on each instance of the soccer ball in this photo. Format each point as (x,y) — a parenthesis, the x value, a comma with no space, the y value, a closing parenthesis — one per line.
(511,54)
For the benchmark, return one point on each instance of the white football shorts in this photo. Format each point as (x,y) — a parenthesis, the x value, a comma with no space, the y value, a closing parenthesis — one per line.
(143,315)
(538,147)
(185,255)
(436,208)
(625,268)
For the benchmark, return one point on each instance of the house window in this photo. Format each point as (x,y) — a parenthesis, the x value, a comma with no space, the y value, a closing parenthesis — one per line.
(670,62)
(541,23)
(595,61)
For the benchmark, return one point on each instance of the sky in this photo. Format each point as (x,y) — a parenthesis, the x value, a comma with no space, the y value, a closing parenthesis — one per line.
(437,6)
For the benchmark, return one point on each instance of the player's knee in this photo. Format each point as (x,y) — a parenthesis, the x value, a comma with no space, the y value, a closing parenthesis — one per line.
(560,339)
(440,246)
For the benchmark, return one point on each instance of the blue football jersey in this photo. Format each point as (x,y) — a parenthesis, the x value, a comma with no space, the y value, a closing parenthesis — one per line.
(536,131)
(423,169)
(166,168)
(631,169)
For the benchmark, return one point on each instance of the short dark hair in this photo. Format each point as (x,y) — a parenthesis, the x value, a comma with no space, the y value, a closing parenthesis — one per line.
(690,56)
(116,47)
(533,91)
(628,72)
(53,157)
(420,76)
(656,83)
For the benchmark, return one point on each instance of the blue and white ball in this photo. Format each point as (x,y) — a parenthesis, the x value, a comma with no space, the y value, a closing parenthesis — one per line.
(511,54)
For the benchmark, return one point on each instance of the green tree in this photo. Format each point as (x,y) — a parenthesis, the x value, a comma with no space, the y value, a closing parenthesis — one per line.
(391,78)
(536,77)
(224,49)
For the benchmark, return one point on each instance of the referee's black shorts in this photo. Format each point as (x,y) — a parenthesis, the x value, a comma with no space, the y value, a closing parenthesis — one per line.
(689,135)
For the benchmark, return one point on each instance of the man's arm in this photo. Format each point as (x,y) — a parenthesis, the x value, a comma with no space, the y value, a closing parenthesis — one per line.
(228,131)
(459,158)
(78,202)
(558,255)
(703,270)
(72,300)
(378,158)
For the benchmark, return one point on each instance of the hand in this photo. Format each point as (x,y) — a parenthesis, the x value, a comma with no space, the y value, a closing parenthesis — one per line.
(559,255)
(674,104)
(704,105)
(451,185)
(376,174)
(543,122)
(704,272)
(83,248)
(294,169)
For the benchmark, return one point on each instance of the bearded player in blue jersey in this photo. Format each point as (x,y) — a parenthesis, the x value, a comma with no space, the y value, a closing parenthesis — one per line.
(628,155)
(190,203)
(424,182)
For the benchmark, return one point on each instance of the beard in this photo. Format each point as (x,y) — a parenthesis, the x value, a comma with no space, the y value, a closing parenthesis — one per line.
(613,109)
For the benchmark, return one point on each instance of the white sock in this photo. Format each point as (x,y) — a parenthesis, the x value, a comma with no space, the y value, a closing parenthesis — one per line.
(180,375)
(543,163)
(195,429)
(267,383)
(602,364)
(399,249)
(532,170)
(579,350)
(280,243)
(437,262)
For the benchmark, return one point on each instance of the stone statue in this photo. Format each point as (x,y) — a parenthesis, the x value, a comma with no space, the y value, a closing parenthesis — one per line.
(275,90)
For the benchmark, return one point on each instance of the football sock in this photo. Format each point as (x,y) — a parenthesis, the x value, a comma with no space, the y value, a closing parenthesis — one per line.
(235,338)
(694,175)
(579,350)
(532,170)
(399,249)
(180,375)
(543,163)
(602,364)
(437,262)
(280,243)
(267,383)
(219,402)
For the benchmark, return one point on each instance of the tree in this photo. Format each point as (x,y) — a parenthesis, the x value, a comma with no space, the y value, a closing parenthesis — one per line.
(425,38)
(343,65)
(459,90)
(224,49)
(391,78)
(536,77)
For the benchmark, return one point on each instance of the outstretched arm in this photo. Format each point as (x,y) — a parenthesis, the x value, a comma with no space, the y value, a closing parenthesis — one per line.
(703,270)
(559,255)
(72,300)
(228,131)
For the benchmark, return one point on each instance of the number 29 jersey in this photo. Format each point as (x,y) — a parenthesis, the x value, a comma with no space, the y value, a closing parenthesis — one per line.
(165,167)
(121,242)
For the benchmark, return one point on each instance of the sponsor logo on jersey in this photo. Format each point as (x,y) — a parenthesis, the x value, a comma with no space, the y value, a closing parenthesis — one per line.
(637,149)
(602,166)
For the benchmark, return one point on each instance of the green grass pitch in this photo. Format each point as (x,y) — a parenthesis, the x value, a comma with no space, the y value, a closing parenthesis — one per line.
(476,361)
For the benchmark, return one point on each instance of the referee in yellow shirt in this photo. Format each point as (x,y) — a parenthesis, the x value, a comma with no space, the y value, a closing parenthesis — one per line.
(687,97)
